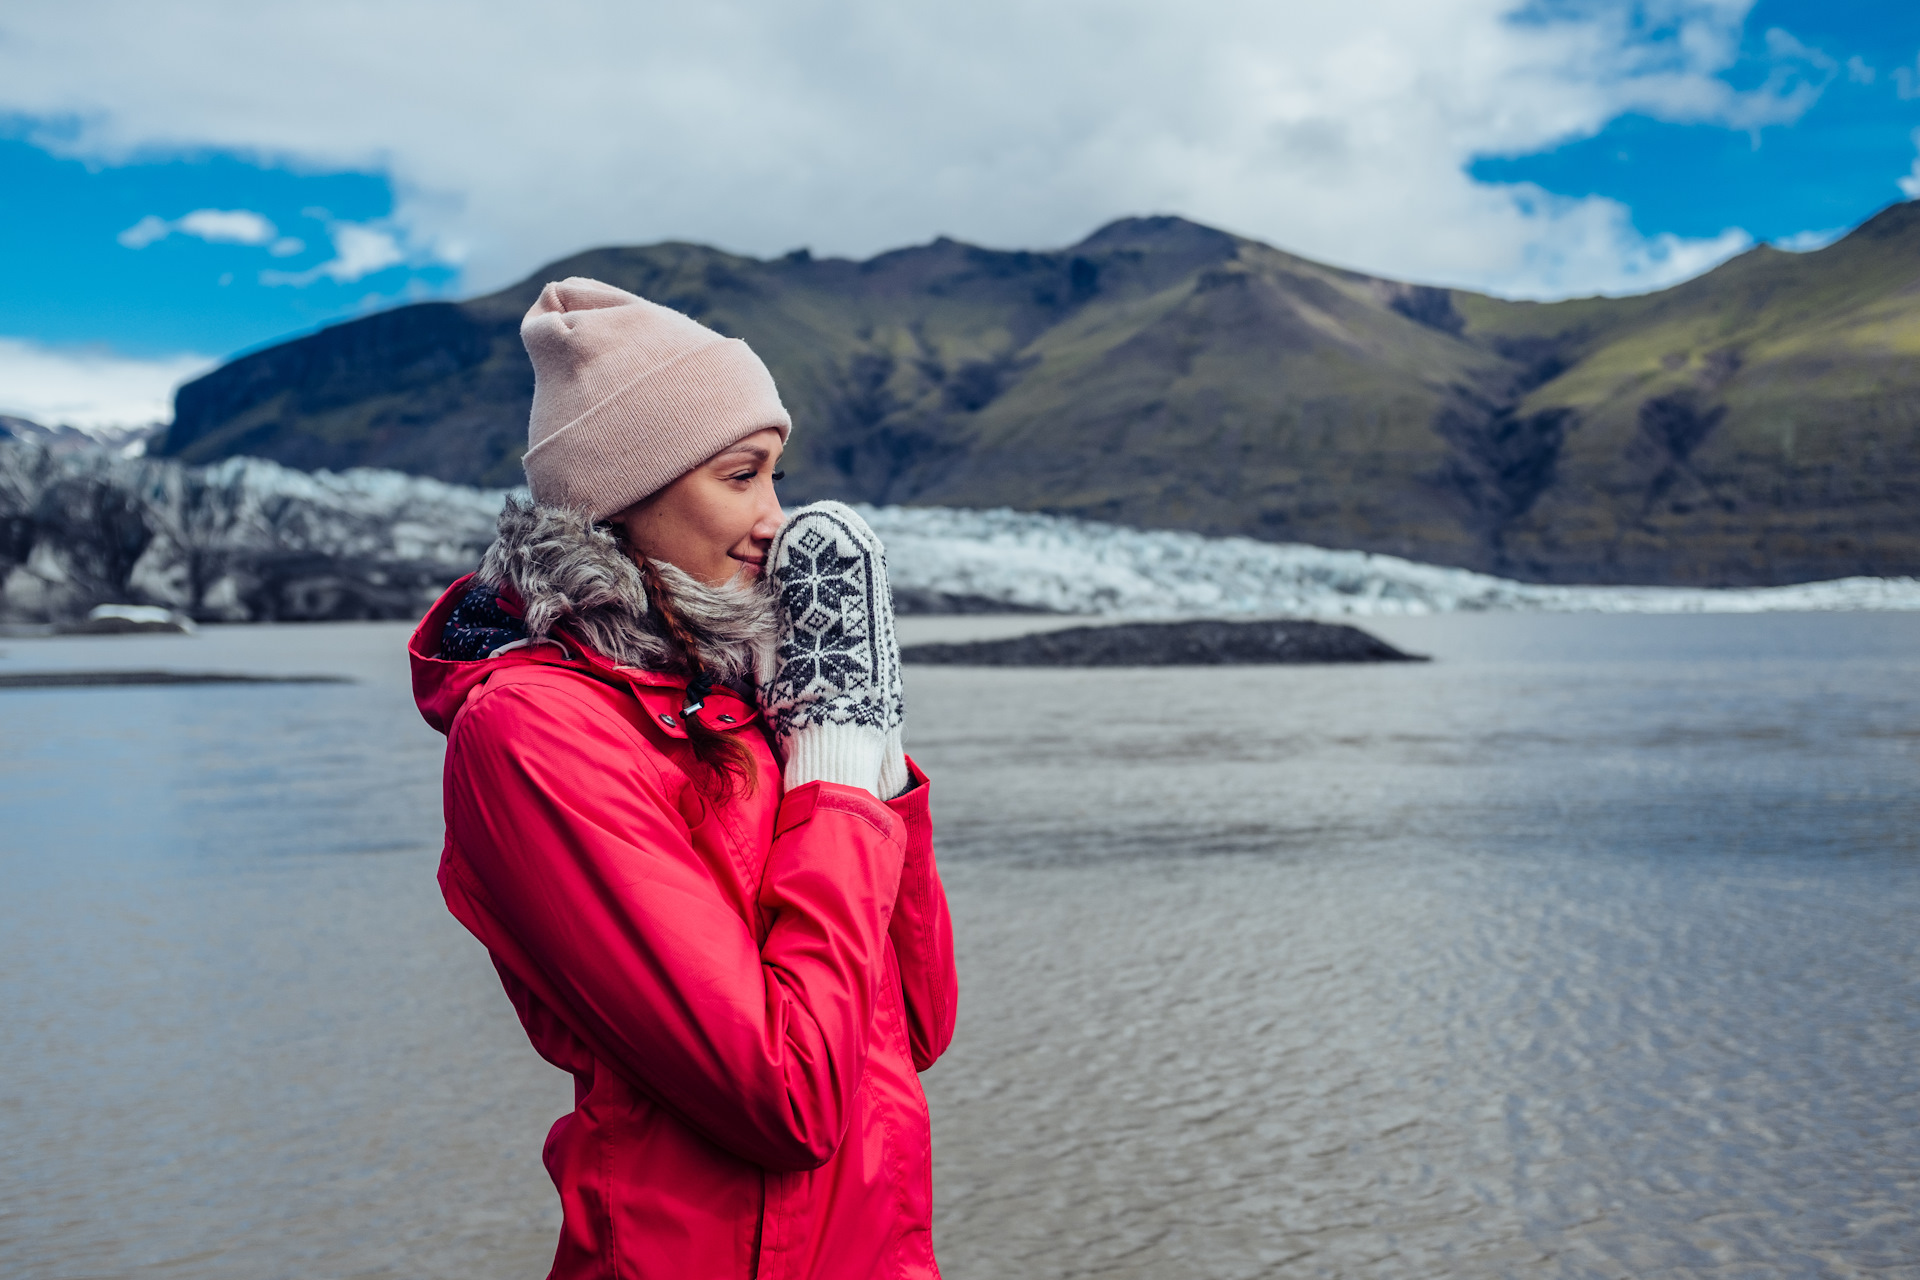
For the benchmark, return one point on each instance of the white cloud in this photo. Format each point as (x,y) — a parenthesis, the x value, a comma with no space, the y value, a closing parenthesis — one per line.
(148,230)
(227,226)
(1910,184)
(522,133)
(215,226)
(358,250)
(1808,241)
(1906,82)
(91,390)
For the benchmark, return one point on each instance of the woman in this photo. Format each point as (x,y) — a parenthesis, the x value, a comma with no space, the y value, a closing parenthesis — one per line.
(711,898)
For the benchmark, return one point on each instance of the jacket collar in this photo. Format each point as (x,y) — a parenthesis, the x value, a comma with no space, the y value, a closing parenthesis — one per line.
(441,686)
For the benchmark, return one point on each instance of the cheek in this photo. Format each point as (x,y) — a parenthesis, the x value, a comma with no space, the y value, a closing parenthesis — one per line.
(725,522)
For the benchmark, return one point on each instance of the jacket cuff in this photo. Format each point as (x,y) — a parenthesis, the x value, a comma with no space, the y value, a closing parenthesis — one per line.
(799,806)
(914,796)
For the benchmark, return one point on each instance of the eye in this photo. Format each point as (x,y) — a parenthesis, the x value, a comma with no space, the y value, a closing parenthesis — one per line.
(779,475)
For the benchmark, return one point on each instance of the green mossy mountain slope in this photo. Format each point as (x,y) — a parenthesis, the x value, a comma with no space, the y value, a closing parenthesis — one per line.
(1758,424)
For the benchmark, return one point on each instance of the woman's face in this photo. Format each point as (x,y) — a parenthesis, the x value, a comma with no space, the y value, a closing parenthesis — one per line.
(717,520)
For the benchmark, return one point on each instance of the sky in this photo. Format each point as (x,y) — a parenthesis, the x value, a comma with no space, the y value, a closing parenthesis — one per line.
(180,183)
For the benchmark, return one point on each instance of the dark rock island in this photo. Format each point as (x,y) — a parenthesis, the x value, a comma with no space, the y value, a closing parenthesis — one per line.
(1170,644)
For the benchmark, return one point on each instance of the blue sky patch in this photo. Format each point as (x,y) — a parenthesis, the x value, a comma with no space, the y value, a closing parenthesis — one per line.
(210,254)
(1832,168)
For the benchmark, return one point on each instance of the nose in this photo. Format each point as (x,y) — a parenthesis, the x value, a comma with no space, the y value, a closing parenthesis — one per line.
(770,517)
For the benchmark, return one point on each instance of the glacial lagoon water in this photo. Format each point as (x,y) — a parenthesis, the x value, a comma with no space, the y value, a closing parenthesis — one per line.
(1591,948)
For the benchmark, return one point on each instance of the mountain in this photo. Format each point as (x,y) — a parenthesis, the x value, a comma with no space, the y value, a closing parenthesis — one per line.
(1759,424)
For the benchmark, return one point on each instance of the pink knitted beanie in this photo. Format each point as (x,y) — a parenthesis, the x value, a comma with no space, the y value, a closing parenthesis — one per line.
(628,396)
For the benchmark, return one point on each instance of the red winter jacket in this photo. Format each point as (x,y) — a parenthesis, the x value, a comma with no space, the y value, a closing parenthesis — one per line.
(743,994)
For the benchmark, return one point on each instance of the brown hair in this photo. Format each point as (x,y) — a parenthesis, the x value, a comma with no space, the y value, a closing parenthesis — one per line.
(729,764)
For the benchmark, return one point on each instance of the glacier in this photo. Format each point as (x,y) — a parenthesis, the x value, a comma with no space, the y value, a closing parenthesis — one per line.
(243,540)
(1064,565)
(249,540)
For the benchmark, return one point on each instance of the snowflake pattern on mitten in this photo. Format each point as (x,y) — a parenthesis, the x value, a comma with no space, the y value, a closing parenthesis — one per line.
(836,662)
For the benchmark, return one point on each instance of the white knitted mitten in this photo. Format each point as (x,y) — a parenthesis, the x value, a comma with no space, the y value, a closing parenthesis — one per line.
(833,695)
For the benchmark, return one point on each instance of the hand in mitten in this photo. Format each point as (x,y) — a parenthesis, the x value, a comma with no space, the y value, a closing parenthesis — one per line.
(833,695)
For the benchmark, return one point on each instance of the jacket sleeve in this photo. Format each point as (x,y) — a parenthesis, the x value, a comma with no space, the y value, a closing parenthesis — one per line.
(922,933)
(601,904)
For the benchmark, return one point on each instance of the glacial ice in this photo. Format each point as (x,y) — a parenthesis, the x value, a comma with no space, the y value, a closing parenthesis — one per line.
(1079,566)
(249,539)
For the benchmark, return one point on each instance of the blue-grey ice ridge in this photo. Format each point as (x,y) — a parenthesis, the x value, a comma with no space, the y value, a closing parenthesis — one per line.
(247,538)
(1078,566)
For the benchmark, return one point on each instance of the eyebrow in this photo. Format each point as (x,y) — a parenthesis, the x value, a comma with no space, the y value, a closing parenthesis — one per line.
(759,453)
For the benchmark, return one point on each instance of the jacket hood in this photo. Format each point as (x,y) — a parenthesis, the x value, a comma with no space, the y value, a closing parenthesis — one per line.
(581,602)
(441,685)
(566,571)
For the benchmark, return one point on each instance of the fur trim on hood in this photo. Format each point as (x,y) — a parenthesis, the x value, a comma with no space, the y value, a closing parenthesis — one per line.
(569,571)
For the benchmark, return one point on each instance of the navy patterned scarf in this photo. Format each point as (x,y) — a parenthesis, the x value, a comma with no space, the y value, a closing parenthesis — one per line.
(479,626)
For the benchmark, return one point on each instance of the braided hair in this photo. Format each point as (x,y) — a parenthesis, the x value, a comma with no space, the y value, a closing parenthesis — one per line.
(729,764)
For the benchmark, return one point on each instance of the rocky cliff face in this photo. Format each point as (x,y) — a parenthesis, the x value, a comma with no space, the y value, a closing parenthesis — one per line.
(1758,425)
